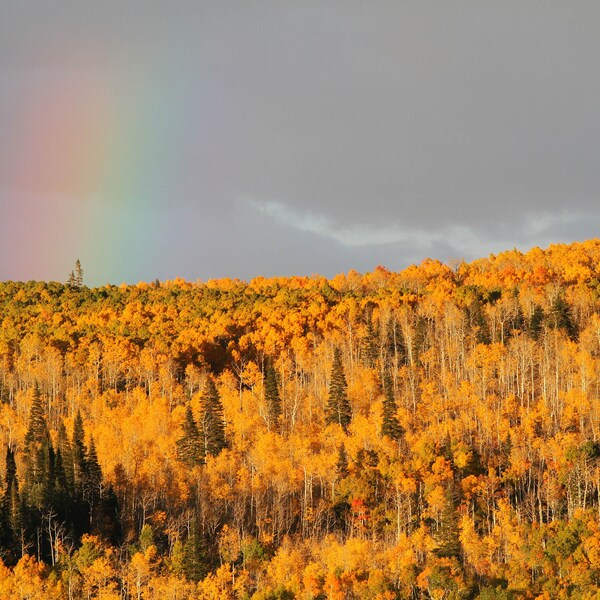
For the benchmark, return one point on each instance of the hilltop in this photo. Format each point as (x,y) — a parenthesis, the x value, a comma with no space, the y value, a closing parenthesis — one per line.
(427,433)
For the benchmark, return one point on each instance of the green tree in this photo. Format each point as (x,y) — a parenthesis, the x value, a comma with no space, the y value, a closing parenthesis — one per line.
(78,274)
(338,407)
(190,450)
(37,429)
(66,453)
(390,426)
(213,424)
(93,477)
(447,533)
(341,467)
(79,452)
(194,565)
(272,399)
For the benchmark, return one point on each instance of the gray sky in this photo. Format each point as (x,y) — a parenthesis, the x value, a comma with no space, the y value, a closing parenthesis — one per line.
(197,139)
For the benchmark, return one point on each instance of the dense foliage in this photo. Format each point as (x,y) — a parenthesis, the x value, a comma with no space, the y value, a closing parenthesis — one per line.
(432,433)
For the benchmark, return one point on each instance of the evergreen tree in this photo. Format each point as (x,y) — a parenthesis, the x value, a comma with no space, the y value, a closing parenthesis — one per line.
(338,407)
(371,343)
(560,316)
(272,399)
(79,452)
(14,519)
(194,566)
(11,467)
(109,523)
(190,450)
(341,467)
(213,424)
(93,477)
(11,521)
(37,429)
(78,274)
(390,426)
(447,535)
(66,453)
(536,322)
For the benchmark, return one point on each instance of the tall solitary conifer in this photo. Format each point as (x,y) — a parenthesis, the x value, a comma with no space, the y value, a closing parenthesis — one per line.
(272,399)
(213,424)
(338,407)
(390,426)
(190,450)
(37,429)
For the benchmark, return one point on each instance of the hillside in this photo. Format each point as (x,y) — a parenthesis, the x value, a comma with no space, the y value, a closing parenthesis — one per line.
(432,433)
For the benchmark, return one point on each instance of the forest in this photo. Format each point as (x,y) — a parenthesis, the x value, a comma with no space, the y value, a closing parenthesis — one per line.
(426,434)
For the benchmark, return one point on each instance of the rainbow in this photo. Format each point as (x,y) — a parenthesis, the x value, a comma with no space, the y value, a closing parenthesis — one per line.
(98,153)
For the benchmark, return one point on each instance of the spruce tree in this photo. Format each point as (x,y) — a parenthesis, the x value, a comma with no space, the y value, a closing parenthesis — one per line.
(194,566)
(338,407)
(66,453)
(371,343)
(37,428)
(390,426)
(536,322)
(93,476)
(79,451)
(447,535)
(78,274)
(11,467)
(190,450)
(272,399)
(213,424)
(341,467)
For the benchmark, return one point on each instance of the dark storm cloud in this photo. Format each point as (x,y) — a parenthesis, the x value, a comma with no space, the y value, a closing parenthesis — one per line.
(335,135)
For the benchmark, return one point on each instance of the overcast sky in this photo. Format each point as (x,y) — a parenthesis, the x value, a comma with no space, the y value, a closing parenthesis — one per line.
(235,139)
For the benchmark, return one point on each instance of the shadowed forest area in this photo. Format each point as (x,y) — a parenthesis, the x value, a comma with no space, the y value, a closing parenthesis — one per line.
(432,433)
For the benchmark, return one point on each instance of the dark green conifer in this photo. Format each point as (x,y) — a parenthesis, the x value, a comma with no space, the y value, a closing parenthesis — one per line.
(66,453)
(37,428)
(341,467)
(536,322)
(93,475)
(390,426)
(447,535)
(370,343)
(194,565)
(190,450)
(213,424)
(11,467)
(272,399)
(78,274)
(79,452)
(338,407)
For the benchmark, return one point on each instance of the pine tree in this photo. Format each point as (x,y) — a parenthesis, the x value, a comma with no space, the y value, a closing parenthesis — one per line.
(194,566)
(93,476)
(536,322)
(190,450)
(66,453)
(447,535)
(15,522)
(37,429)
(341,467)
(371,343)
(11,467)
(272,399)
(390,426)
(78,274)
(338,407)
(79,452)
(213,424)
